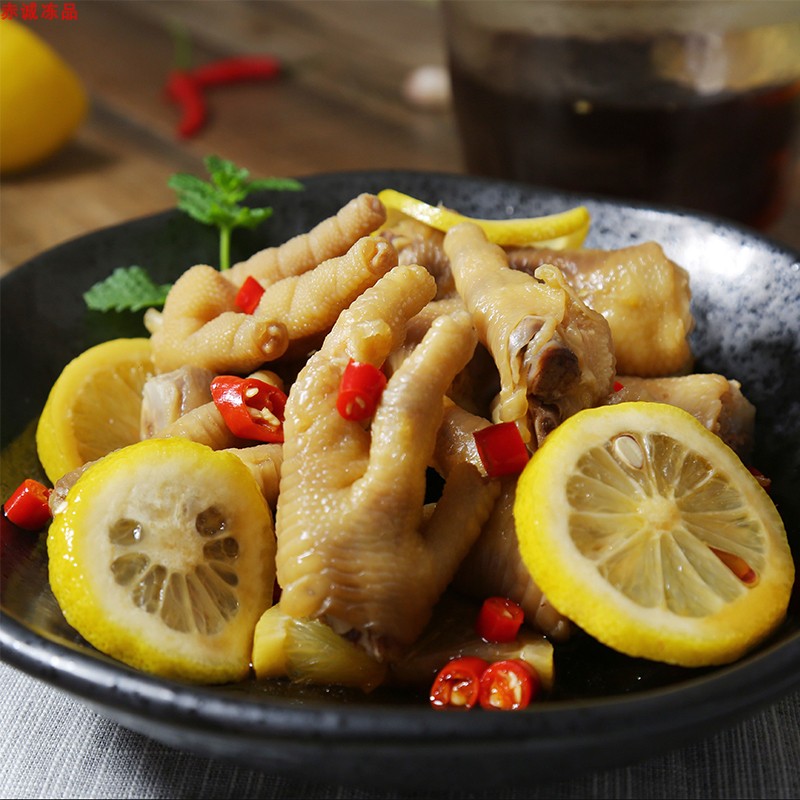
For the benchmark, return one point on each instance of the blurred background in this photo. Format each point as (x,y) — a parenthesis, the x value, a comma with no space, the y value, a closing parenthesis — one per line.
(362,84)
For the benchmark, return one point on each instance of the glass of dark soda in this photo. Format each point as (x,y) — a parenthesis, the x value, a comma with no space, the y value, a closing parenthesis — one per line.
(689,103)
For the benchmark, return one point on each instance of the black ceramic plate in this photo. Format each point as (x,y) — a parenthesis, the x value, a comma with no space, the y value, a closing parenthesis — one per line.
(608,709)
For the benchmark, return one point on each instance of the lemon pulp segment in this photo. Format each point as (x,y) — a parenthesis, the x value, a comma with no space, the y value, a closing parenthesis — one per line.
(648,532)
(164,558)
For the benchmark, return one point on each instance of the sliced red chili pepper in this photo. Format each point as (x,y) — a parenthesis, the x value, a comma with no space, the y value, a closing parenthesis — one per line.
(185,91)
(236,69)
(249,295)
(251,408)
(508,685)
(458,683)
(618,387)
(499,620)
(360,390)
(27,507)
(501,449)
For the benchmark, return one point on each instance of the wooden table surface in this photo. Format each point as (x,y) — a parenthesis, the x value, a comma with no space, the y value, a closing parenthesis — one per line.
(340,105)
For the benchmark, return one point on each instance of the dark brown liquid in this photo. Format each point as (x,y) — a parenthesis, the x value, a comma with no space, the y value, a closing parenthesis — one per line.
(725,154)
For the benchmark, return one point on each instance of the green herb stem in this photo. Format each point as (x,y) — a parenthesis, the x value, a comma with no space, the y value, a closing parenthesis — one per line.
(224,247)
(217,203)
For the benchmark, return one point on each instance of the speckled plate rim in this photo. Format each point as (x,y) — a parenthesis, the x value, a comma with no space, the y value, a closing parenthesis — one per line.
(358,744)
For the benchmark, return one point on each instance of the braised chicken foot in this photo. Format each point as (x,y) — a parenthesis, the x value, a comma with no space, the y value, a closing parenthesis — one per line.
(553,353)
(713,399)
(355,547)
(201,326)
(332,237)
(309,304)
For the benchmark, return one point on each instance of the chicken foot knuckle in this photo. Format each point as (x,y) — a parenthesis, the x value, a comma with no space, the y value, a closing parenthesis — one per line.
(201,327)
(309,304)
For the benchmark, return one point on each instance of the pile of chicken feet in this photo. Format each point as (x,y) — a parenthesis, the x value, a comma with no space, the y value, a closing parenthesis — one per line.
(469,334)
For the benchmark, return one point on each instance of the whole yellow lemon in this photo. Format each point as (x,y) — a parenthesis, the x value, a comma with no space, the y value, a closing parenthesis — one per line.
(42,100)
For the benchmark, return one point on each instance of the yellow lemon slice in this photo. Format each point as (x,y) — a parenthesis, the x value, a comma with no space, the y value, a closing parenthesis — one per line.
(309,651)
(648,532)
(164,558)
(42,100)
(567,229)
(94,405)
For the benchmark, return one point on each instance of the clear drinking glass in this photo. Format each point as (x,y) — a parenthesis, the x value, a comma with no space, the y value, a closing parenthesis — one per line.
(687,102)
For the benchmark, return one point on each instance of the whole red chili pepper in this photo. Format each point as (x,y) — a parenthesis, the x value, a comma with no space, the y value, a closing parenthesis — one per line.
(499,620)
(508,685)
(251,408)
(28,506)
(236,69)
(185,87)
(183,90)
(458,683)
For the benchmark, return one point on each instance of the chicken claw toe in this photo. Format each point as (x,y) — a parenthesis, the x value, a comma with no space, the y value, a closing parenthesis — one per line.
(329,238)
(201,327)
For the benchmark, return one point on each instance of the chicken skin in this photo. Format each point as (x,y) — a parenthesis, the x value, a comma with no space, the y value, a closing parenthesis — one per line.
(713,399)
(643,295)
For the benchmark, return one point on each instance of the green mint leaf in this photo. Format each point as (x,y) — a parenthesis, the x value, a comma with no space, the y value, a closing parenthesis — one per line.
(275,185)
(195,196)
(244,217)
(230,180)
(126,289)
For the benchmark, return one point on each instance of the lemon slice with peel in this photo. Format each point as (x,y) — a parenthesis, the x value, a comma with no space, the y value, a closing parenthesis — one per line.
(309,651)
(648,532)
(566,229)
(94,406)
(163,557)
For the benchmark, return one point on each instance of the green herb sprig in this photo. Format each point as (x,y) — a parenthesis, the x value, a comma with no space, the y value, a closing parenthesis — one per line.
(216,202)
